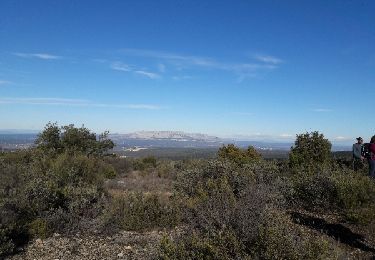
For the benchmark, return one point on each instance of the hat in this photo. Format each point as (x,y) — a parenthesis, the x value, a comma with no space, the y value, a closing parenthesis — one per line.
(359,139)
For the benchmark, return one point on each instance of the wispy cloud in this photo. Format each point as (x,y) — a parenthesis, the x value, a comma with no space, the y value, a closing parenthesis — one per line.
(322,110)
(43,56)
(242,69)
(74,102)
(5,82)
(342,138)
(119,66)
(44,101)
(143,106)
(150,75)
(268,59)
(170,56)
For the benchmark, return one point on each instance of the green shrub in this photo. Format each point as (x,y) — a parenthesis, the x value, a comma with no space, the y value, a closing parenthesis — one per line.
(120,165)
(233,212)
(48,194)
(39,228)
(195,246)
(237,155)
(356,197)
(314,192)
(149,161)
(13,230)
(70,139)
(53,187)
(166,169)
(311,151)
(279,238)
(140,211)
(345,192)
(6,244)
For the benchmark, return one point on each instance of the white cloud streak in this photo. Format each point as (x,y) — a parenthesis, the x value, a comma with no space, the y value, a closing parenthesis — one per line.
(150,75)
(43,101)
(261,63)
(342,138)
(74,103)
(268,59)
(5,82)
(43,56)
(119,66)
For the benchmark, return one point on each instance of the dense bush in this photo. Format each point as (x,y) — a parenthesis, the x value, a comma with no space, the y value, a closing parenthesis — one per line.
(280,238)
(141,211)
(355,196)
(53,187)
(234,212)
(55,140)
(166,169)
(348,193)
(120,165)
(238,156)
(311,151)
(313,192)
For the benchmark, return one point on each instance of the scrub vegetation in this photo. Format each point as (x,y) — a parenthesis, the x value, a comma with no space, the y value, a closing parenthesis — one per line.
(234,206)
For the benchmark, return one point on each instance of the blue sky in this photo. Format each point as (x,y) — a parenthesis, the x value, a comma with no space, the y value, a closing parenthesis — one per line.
(255,69)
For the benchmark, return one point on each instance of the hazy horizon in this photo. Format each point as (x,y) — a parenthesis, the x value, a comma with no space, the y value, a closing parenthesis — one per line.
(259,70)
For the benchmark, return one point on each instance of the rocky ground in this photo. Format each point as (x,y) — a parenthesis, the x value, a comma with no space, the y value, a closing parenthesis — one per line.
(123,245)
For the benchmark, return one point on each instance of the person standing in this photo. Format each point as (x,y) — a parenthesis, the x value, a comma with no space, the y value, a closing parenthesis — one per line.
(357,154)
(371,159)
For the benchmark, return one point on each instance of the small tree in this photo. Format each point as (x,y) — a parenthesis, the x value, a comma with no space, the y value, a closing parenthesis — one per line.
(71,139)
(310,151)
(49,139)
(237,155)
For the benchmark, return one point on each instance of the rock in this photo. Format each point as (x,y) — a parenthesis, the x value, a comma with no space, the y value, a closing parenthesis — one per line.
(39,242)
(128,248)
(120,254)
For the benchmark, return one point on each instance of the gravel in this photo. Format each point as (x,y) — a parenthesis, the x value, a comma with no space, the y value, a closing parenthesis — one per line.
(123,245)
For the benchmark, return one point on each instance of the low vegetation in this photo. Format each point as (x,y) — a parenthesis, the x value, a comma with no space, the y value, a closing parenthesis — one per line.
(236,206)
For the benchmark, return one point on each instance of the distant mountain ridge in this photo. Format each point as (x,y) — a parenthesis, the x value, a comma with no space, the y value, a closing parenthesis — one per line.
(10,138)
(170,135)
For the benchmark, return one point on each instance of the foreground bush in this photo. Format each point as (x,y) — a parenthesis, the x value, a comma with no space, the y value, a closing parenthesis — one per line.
(235,212)
(53,187)
(141,211)
(345,192)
